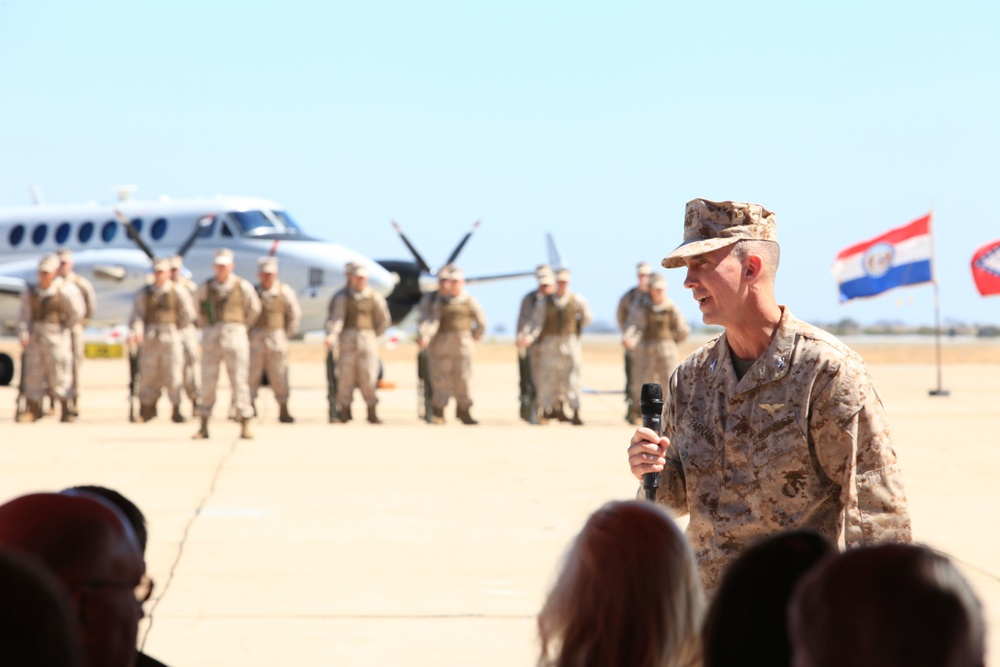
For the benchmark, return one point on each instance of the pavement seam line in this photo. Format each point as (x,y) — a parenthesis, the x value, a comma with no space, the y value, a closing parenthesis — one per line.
(184,537)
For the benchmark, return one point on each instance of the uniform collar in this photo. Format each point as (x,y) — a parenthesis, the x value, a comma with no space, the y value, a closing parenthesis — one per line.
(769,367)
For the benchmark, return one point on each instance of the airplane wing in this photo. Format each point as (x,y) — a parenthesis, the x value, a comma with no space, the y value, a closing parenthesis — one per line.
(10,286)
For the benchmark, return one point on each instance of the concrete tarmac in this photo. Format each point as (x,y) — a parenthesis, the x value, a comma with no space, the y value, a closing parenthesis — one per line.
(411,544)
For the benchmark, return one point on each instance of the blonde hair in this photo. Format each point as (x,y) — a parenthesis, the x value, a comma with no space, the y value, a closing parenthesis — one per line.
(628,593)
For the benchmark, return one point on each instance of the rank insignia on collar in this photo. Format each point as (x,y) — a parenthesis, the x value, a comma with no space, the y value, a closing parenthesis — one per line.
(780,363)
(772,407)
(711,366)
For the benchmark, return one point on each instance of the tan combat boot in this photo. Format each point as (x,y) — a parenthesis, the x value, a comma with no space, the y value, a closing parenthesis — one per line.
(202,433)
(177,417)
(285,417)
(576,421)
(245,432)
(372,417)
(30,414)
(146,412)
(438,417)
(67,414)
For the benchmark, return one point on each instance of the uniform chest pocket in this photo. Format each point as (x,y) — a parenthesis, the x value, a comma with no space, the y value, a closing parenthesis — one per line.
(698,444)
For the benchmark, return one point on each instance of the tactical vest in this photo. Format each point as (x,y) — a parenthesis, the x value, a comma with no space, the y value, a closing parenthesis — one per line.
(272,308)
(456,315)
(659,324)
(161,308)
(224,308)
(560,321)
(359,313)
(51,309)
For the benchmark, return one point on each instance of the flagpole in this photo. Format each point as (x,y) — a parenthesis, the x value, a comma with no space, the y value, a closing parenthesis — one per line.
(939,391)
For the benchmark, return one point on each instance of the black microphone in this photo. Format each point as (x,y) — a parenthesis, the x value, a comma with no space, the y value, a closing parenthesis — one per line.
(651,407)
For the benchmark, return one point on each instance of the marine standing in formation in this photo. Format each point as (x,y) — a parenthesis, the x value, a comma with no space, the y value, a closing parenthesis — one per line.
(49,311)
(553,336)
(653,329)
(65,272)
(546,284)
(357,316)
(226,305)
(773,425)
(160,312)
(636,295)
(278,322)
(189,337)
(449,332)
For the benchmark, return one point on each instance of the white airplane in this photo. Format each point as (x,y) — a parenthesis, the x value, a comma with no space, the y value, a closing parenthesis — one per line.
(104,253)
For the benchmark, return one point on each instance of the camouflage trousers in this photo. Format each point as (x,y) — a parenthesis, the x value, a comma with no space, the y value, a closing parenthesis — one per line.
(357,366)
(269,353)
(161,365)
(653,361)
(555,368)
(449,356)
(48,363)
(76,349)
(189,345)
(227,343)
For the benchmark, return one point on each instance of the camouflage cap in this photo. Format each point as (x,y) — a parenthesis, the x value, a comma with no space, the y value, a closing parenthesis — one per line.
(444,273)
(359,271)
(657,281)
(543,269)
(176,262)
(563,275)
(644,268)
(547,278)
(267,264)
(64,255)
(223,256)
(48,264)
(456,274)
(161,264)
(710,225)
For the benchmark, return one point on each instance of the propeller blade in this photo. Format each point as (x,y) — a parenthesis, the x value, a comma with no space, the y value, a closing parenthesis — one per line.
(461,244)
(133,234)
(200,224)
(499,276)
(416,255)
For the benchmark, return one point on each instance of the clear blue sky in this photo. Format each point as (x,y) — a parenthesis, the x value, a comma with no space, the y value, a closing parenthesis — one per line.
(595,121)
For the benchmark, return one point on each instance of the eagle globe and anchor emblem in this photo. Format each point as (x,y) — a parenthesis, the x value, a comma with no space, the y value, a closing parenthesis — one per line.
(877,260)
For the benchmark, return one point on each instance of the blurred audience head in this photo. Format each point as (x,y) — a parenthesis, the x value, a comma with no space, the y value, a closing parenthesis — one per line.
(93,552)
(894,605)
(628,594)
(35,623)
(136,519)
(746,621)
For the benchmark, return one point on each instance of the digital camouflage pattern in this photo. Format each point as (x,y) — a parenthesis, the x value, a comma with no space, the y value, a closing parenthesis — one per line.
(278,321)
(352,329)
(46,319)
(451,347)
(709,225)
(655,330)
(161,358)
(802,441)
(556,357)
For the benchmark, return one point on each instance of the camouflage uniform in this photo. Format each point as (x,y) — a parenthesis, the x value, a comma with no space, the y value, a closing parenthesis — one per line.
(655,331)
(279,320)
(159,315)
(633,298)
(528,390)
(556,357)
(354,322)
(76,332)
(801,441)
(189,344)
(223,313)
(46,319)
(452,326)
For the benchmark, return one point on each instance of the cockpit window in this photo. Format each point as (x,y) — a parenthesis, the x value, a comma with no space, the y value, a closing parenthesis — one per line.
(265,223)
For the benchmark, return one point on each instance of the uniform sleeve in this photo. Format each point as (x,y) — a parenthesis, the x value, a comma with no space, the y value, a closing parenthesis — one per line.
(200,296)
(137,320)
(89,298)
(682,329)
(77,306)
(850,434)
(635,323)
(479,316)
(586,315)
(429,324)
(335,317)
(382,317)
(293,312)
(25,319)
(524,313)
(251,303)
(185,306)
(533,329)
(672,491)
(624,306)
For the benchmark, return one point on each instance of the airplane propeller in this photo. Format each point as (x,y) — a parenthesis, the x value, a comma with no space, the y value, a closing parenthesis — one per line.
(133,233)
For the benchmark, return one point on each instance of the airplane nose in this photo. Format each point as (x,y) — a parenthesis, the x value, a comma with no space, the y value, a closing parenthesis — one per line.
(381,280)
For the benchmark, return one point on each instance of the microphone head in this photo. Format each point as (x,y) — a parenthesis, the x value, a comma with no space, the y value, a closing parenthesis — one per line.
(651,398)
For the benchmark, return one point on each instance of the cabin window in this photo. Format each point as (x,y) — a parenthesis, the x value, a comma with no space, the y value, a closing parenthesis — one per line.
(224,230)
(137,225)
(39,233)
(85,232)
(62,233)
(16,235)
(158,229)
(108,230)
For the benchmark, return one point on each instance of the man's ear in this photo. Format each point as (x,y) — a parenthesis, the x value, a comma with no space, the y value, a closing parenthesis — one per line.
(754,268)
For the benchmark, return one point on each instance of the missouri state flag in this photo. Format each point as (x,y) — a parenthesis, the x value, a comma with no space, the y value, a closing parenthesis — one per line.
(986,268)
(901,256)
